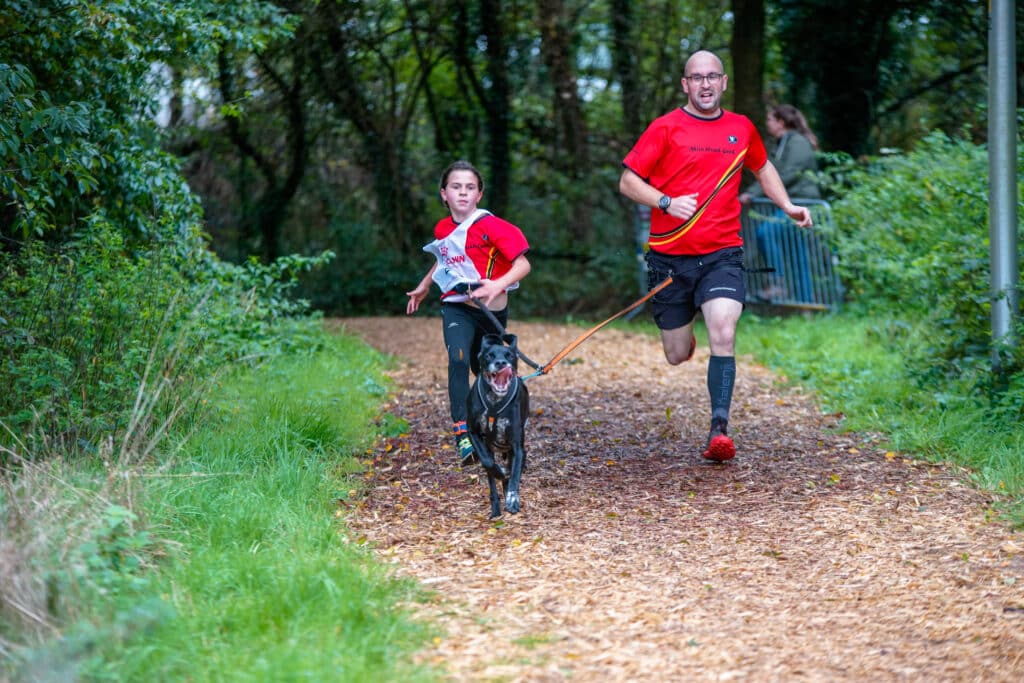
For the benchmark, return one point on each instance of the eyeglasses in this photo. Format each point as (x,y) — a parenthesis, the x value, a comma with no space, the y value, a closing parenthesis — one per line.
(697,79)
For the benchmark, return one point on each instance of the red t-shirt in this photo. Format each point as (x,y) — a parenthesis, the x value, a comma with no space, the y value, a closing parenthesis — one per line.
(492,244)
(679,154)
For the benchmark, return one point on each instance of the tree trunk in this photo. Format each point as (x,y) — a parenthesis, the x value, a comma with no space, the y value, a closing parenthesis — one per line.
(834,50)
(494,96)
(571,153)
(624,63)
(747,47)
(382,127)
(281,177)
(496,105)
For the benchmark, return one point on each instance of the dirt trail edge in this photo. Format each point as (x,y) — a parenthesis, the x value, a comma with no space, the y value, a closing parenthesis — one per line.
(813,556)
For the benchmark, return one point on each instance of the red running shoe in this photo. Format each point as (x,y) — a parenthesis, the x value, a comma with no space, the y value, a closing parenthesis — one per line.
(720,446)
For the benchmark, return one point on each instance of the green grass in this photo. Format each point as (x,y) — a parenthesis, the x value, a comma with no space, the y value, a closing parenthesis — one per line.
(251,577)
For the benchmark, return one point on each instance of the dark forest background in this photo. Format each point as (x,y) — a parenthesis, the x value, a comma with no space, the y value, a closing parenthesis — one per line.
(311,126)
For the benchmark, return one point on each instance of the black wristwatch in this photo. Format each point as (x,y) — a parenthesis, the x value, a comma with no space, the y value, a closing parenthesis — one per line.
(664,203)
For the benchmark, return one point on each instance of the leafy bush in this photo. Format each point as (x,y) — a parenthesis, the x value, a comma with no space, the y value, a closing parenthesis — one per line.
(903,217)
(913,234)
(78,102)
(120,293)
(79,323)
(86,325)
(113,311)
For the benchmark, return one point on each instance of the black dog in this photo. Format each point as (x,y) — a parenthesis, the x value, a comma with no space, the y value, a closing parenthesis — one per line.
(498,408)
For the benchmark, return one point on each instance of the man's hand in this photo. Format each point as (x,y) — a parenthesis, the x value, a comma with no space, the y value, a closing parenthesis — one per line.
(800,214)
(683,207)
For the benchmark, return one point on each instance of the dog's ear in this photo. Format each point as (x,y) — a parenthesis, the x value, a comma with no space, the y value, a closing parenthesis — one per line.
(512,342)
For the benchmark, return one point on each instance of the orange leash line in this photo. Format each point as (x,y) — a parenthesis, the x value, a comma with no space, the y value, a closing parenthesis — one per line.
(583,337)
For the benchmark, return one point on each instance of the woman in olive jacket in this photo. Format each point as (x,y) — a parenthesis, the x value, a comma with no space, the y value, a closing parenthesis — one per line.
(794,157)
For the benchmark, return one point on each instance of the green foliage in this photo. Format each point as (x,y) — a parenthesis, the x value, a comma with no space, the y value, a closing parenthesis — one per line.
(115,319)
(900,214)
(78,139)
(80,324)
(919,66)
(913,237)
(108,289)
(371,279)
(943,53)
(116,549)
(250,310)
(391,108)
(87,324)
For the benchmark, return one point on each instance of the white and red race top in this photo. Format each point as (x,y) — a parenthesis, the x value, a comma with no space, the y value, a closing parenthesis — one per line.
(481,247)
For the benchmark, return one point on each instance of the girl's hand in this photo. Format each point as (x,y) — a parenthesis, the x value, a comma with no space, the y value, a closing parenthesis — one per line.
(416,296)
(487,291)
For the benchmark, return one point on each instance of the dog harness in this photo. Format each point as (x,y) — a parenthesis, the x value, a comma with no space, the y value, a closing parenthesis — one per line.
(508,399)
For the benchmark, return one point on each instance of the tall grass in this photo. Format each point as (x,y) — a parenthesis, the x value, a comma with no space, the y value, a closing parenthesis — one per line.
(243,571)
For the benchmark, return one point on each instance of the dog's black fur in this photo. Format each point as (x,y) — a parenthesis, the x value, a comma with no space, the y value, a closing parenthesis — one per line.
(499,405)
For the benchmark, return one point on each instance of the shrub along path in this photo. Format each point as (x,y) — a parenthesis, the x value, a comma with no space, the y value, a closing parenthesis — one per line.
(813,556)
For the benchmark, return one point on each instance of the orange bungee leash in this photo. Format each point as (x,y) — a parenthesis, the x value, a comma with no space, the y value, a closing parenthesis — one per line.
(539,370)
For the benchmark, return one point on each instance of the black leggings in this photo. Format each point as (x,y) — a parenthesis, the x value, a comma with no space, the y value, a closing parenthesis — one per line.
(464,329)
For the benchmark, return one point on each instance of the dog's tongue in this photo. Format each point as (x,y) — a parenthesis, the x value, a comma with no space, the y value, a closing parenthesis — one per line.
(501,380)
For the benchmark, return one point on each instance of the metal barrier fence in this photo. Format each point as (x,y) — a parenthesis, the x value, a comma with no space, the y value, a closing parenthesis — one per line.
(788,265)
(785,265)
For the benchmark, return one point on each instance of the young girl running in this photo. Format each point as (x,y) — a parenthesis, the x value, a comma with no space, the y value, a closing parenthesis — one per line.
(476,248)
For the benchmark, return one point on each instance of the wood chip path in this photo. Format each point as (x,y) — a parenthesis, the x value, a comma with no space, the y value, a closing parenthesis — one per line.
(812,556)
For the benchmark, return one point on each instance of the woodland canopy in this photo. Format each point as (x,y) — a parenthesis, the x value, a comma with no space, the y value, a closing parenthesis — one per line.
(300,127)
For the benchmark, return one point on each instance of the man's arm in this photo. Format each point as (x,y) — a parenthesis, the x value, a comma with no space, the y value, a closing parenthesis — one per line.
(775,190)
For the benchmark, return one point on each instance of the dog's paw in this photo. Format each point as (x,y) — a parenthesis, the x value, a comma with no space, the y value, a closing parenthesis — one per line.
(512,504)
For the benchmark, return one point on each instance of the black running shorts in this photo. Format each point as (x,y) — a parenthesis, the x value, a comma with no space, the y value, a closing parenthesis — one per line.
(696,279)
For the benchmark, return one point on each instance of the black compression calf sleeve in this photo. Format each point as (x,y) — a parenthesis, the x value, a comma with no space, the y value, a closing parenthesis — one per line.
(721,377)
